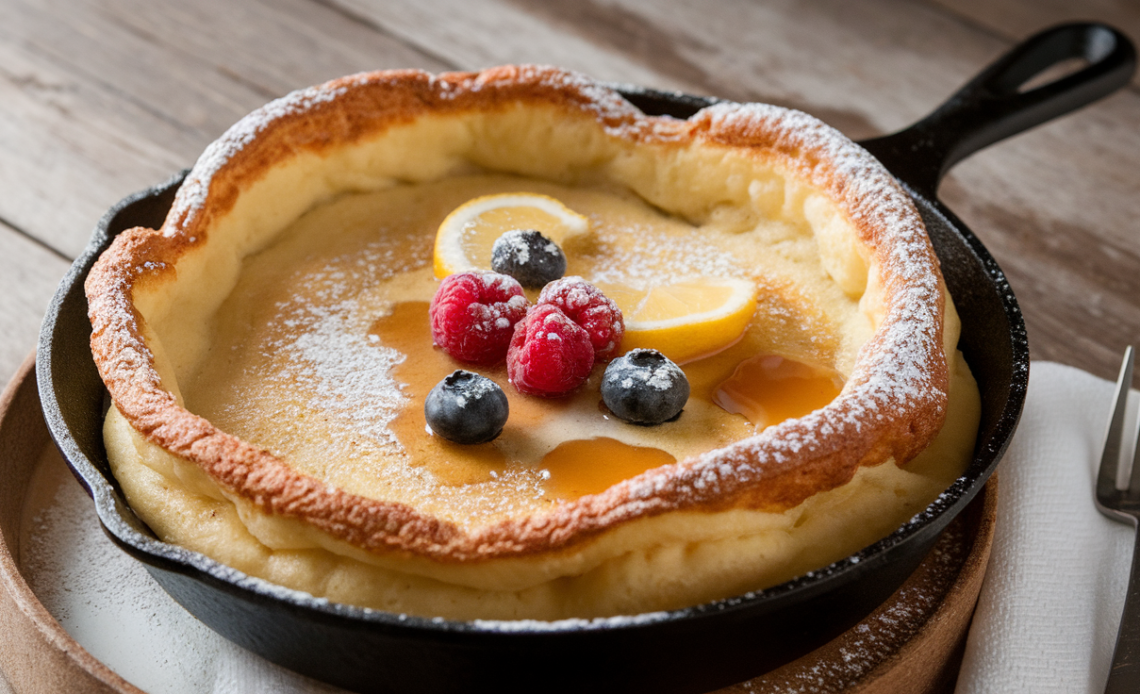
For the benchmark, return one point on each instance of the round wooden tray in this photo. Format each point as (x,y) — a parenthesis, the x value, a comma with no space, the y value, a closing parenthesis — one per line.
(911,644)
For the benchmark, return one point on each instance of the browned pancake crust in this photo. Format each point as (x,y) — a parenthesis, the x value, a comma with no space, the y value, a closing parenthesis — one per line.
(893,406)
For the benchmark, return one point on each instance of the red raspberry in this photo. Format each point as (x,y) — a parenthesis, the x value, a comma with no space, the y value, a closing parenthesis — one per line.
(587,306)
(550,354)
(473,315)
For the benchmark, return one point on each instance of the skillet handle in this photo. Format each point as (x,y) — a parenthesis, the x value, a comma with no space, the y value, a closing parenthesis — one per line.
(992,106)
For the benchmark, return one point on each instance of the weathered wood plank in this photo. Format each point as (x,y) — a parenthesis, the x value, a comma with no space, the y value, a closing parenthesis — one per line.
(29,274)
(260,49)
(100,98)
(483,33)
(1015,19)
(69,151)
(840,61)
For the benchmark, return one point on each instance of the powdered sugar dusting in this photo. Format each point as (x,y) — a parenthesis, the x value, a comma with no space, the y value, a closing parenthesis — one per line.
(537,626)
(680,256)
(496,316)
(323,357)
(194,190)
(514,245)
(645,367)
(337,367)
(312,356)
(661,378)
(616,115)
(889,379)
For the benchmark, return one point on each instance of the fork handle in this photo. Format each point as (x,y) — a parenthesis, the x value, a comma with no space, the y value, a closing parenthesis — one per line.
(1124,677)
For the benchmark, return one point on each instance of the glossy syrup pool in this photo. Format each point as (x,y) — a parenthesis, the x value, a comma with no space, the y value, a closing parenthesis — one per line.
(764,389)
(768,389)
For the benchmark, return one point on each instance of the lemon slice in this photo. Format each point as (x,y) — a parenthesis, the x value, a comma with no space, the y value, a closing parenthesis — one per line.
(685,320)
(465,237)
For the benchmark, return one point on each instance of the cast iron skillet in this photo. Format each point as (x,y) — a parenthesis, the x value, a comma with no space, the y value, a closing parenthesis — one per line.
(689,650)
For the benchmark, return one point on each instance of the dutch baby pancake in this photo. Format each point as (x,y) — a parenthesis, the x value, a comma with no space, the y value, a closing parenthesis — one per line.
(270,348)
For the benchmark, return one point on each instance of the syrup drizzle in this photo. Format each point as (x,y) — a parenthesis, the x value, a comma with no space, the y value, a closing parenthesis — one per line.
(407,329)
(589,466)
(765,389)
(769,389)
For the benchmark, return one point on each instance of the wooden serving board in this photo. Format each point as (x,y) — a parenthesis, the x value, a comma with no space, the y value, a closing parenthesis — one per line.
(36,653)
(911,644)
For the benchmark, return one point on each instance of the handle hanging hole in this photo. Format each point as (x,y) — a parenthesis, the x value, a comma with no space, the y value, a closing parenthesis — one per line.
(1053,73)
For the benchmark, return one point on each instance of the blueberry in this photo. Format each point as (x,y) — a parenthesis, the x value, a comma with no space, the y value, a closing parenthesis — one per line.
(466,408)
(645,387)
(529,257)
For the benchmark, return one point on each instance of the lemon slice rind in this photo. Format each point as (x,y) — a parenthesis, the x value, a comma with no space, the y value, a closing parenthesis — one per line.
(687,336)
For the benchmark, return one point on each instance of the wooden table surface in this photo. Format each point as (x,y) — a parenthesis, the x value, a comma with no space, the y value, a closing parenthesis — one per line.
(99,98)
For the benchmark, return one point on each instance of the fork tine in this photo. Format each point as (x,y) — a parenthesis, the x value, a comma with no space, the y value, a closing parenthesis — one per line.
(1134,478)
(1110,460)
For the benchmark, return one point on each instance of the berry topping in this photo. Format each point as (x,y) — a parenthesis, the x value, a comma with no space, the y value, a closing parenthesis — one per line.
(473,315)
(529,257)
(644,387)
(466,408)
(550,354)
(587,306)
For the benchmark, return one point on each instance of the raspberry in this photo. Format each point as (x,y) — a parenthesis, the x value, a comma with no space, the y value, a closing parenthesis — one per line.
(550,354)
(587,306)
(473,315)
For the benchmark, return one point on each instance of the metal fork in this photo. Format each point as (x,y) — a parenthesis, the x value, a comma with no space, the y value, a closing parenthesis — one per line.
(1123,505)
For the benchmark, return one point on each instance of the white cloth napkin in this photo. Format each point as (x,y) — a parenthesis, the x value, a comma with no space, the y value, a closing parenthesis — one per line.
(1047,617)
